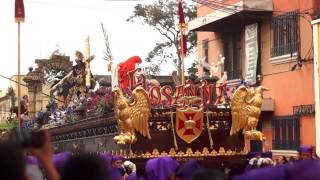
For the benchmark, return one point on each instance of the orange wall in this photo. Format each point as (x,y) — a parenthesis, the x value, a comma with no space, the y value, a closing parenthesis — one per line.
(290,89)
(307,130)
(290,5)
(279,6)
(285,5)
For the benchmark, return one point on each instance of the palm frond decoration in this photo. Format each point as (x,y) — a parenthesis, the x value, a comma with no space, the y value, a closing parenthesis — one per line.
(107,55)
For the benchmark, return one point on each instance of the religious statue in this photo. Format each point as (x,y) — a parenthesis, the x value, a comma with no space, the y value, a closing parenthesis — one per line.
(132,116)
(213,68)
(77,78)
(246,108)
(113,69)
(175,78)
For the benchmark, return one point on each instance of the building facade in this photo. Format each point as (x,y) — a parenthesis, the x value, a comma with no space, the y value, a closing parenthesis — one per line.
(5,104)
(316,42)
(269,43)
(5,100)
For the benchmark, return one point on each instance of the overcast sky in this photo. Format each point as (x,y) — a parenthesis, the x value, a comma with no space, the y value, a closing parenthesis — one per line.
(65,23)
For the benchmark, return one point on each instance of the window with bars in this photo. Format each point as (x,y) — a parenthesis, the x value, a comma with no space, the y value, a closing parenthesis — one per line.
(232,53)
(286,132)
(284,34)
(205,45)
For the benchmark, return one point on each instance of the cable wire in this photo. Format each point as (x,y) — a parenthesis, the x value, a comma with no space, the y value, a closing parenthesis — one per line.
(27,86)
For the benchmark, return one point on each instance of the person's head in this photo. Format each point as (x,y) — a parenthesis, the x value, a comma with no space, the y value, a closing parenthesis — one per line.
(305,152)
(187,169)
(25,97)
(209,174)
(129,167)
(253,163)
(117,161)
(282,160)
(85,167)
(162,168)
(79,56)
(12,164)
(60,159)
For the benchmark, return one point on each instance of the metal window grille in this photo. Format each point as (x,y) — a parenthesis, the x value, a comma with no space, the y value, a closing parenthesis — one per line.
(232,52)
(284,34)
(286,132)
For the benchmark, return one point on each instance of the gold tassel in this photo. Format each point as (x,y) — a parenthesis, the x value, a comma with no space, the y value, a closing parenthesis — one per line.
(209,131)
(174,134)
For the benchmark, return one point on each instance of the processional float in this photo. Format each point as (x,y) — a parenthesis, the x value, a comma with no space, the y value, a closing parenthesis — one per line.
(192,111)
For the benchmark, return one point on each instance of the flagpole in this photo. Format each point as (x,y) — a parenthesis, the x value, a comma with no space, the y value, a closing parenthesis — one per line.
(182,60)
(182,27)
(19,81)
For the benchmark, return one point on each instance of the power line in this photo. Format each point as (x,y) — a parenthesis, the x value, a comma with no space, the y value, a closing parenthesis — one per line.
(27,86)
(224,5)
(75,6)
(215,7)
(123,0)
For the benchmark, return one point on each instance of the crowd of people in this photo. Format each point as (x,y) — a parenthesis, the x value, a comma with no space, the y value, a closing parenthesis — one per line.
(34,163)
(38,162)
(47,118)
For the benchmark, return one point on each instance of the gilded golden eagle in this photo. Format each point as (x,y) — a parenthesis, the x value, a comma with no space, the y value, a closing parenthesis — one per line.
(245,109)
(132,116)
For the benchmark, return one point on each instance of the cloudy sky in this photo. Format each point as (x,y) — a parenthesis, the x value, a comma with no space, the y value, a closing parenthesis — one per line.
(64,24)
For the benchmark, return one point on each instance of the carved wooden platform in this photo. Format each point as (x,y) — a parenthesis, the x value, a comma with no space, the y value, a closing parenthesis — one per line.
(96,134)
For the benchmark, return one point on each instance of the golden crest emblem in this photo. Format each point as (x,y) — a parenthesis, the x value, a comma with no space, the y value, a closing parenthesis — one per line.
(189,123)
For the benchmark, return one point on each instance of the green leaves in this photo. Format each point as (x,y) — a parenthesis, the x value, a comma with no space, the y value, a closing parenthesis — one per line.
(162,16)
(12,94)
(9,125)
(193,69)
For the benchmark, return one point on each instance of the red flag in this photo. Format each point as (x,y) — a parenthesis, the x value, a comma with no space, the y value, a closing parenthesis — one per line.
(182,26)
(19,11)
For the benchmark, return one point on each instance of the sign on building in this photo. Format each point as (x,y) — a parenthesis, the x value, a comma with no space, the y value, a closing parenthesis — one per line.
(251,45)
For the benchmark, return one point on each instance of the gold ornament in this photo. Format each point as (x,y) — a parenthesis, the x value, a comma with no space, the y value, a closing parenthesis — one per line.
(155,153)
(172,152)
(205,151)
(180,154)
(221,151)
(229,152)
(197,153)
(132,116)
(147,155)
(245,109)
(189,152)
(131,154)
(163,153)
(214,153)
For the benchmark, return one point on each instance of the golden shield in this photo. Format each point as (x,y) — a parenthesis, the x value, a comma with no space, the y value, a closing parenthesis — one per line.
(189,123)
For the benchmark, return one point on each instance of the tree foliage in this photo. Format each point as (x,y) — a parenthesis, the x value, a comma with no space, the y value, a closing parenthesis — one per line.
(12,95)
(162,15)
(193,69)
